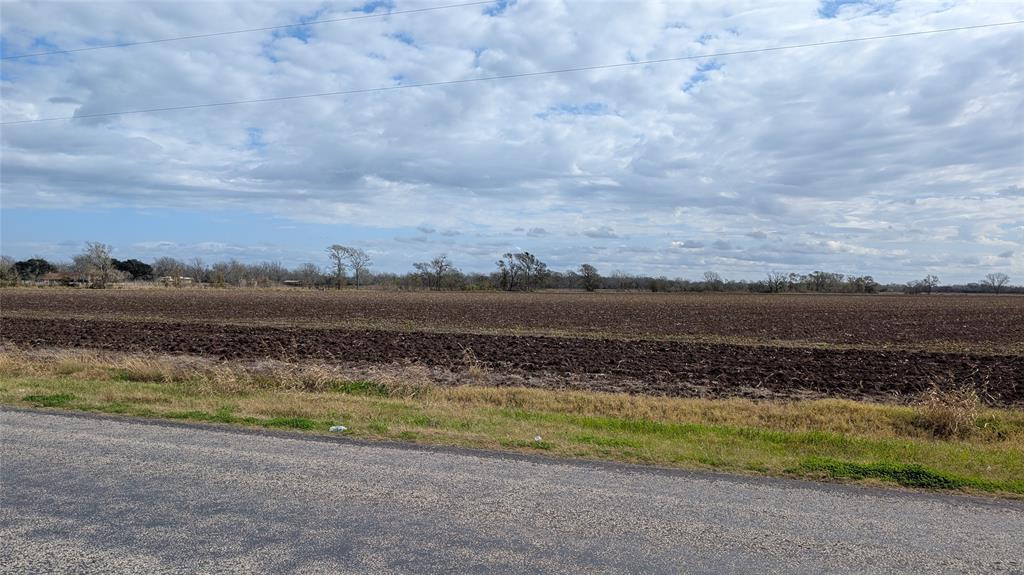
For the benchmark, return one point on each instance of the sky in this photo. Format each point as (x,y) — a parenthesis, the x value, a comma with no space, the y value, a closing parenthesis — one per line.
(895,158)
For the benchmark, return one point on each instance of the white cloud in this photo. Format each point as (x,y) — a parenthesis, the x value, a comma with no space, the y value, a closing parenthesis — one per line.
(882,157)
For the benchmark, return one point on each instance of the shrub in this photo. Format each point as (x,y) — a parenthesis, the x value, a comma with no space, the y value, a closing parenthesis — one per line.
(949,411)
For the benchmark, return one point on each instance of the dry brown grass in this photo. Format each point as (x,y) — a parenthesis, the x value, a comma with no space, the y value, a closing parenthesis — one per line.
(949,410)
(410,402)
(476,372)
(943,412)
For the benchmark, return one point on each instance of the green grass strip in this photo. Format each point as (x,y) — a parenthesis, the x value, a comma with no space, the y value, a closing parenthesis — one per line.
(905,474)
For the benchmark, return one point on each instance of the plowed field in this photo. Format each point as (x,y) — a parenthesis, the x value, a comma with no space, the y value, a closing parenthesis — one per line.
(781,345)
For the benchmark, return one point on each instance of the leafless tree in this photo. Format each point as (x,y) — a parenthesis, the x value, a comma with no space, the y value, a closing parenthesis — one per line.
(435,270)
(776,282)
(95,261)
(345,257)
(197,270)
(997,281)
(589,277)
(521,270)
(337,255)
(309,274)
(930,281)
(8,275)
(712,281)
(168,267)
(533,270)
(508,270)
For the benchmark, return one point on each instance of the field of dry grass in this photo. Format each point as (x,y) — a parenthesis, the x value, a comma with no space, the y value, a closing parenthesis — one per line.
(912,445)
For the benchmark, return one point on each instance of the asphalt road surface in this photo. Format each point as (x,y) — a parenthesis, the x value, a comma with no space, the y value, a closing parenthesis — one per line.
(85,494)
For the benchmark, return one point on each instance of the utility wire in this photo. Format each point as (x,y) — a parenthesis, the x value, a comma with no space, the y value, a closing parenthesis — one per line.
(510,76)
(247,30)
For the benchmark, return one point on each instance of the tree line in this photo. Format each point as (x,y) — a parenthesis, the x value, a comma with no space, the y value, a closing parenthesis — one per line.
(514,271)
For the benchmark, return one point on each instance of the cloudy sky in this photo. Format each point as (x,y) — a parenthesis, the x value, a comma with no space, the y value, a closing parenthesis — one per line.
(896,157)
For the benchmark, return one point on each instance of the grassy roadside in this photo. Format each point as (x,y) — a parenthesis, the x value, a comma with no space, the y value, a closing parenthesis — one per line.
(825,439)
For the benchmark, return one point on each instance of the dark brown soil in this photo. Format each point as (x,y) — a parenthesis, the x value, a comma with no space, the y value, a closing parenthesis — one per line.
(968,322)
(665,367)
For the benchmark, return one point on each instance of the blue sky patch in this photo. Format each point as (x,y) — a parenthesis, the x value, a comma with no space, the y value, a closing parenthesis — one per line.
(301,33)
(371,7)
(585,109)
(403,37)
(831,8)
(499,7)
(254,139)
(701,75)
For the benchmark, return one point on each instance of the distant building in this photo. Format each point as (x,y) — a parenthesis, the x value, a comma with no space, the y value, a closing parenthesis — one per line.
(61,279)
(175,281)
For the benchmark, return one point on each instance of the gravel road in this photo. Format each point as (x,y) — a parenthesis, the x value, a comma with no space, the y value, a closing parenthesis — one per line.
(85,494)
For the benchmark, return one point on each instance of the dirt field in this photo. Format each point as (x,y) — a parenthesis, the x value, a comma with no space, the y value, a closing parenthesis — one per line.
(971,322)
(781,346)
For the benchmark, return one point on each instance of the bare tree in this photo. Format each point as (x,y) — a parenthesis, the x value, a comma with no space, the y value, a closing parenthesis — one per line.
(337,255)
(197,270)
(309,274)
(533,270)
(95,261)
(344,257)
(435,270)
(712,281)
(168,267)
(997,281)
(8,274)
(508,270)
(776,282)
(930,281)
(589,277)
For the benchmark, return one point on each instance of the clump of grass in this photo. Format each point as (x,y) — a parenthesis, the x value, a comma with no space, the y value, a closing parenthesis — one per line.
(476,372)
(949,412)
(360,387)
(52,400)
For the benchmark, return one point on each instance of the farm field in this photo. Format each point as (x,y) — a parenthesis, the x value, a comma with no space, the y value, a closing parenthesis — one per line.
(943,321)
(883,348)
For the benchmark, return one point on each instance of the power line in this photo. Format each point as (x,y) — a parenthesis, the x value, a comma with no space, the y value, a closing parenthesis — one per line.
(510,76)
(247,30)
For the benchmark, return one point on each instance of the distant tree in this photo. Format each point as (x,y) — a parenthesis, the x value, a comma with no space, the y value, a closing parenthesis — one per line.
(197,270)
(589,277)
(930,282)
(135,269)
(359,262)
(336,253)
(534,271)
(344,257)
(95,261)
(776,282)
(712,281)
(8,275)
(996,281)
(824,281)
(862,284)
(434,271)
(508,272)
(168,267)
(32,268)
(309,274)
(522,270)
